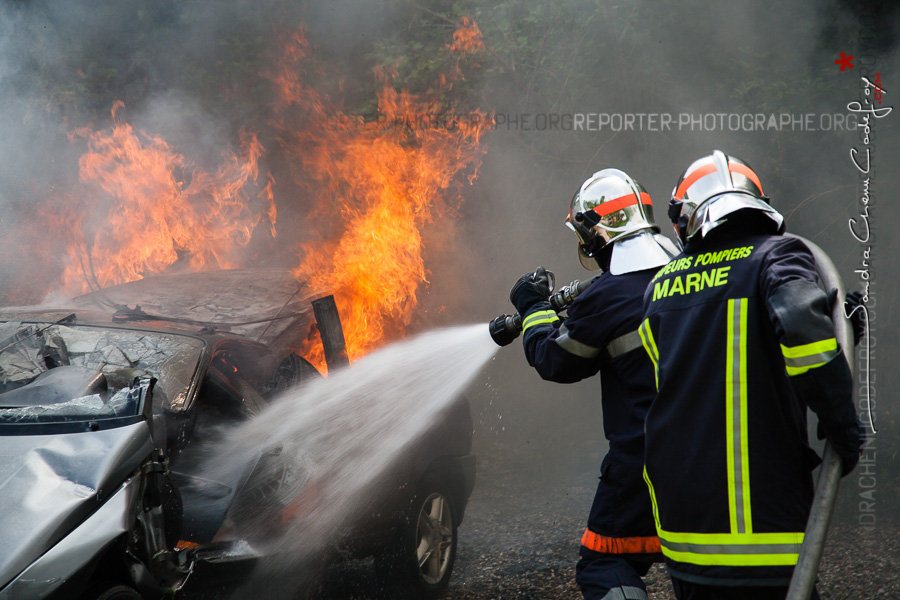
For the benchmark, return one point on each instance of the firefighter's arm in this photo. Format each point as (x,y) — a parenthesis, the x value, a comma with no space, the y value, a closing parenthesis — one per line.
(548,347)
(814,361)
(554,355)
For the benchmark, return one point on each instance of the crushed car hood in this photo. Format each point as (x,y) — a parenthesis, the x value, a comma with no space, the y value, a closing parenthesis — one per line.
(50,483)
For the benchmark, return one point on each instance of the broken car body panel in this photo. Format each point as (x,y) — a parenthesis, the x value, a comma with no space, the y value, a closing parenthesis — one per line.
(102,404)
(51,483)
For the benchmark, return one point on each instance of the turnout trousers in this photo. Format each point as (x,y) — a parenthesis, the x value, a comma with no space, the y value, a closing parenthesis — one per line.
(620,544)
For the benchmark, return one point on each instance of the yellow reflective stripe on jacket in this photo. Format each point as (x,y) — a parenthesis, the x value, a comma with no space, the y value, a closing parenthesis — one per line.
(732,549)
(736,418)
(800,359)
(652,500)
(726,549)
(539,318)
(650,346)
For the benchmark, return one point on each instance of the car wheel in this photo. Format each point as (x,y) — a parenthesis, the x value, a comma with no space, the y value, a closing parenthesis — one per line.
(112,592)
(420,563)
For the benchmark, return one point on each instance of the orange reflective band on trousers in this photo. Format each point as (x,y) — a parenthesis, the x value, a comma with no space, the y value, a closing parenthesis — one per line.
(612,545)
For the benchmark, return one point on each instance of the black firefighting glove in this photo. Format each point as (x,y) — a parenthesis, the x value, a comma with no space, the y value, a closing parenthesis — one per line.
(857,315)
(530,289)
(846,441)
(828,391)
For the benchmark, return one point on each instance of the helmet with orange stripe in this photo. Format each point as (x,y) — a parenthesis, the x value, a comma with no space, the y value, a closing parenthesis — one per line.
(612,215)
(713,188)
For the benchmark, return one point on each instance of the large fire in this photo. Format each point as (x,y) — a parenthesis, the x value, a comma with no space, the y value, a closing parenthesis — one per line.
(377,183)
(370,188)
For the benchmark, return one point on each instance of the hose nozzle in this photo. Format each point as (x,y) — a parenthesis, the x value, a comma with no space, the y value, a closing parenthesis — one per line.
(506,328)
(567,294)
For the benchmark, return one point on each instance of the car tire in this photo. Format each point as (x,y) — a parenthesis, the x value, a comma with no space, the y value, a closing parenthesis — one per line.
(112,592)
(420,561)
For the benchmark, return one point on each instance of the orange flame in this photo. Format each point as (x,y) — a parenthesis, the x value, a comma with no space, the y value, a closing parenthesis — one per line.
(467,37)
(370,191)
(378,184)
(153,217)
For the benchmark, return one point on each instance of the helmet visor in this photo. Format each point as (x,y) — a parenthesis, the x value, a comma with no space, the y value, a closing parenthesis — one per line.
(621,215)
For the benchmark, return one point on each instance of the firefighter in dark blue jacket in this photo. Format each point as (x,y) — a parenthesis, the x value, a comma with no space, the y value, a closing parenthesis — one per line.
(612,217)
(742,342)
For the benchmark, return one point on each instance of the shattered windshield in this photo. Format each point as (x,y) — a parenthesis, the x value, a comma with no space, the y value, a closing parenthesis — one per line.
(53,372)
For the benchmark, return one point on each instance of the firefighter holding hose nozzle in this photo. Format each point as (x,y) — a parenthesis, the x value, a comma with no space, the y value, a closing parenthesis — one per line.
(611,214)
(742,341)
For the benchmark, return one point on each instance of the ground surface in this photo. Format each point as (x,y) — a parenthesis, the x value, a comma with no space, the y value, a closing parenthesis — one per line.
(521,541)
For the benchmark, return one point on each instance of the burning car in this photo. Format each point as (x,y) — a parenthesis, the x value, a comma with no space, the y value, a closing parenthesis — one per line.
(104,408)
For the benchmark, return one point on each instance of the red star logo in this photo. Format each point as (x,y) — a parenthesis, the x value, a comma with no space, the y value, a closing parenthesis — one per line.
(844,61)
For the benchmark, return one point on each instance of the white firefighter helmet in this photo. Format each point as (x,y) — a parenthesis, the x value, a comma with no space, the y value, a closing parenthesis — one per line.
(611,208)
(712,188)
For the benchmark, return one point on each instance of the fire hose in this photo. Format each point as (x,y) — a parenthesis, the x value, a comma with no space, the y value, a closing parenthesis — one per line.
(506,328)
(804,577)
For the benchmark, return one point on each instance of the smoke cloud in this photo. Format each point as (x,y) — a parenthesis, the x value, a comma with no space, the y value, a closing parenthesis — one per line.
(574,87)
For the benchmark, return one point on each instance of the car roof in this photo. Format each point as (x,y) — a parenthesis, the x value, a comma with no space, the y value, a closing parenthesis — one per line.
(267,305)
